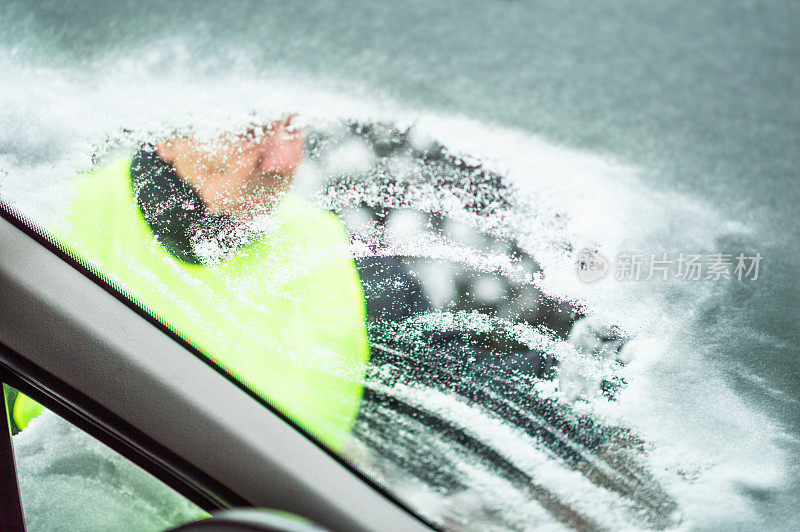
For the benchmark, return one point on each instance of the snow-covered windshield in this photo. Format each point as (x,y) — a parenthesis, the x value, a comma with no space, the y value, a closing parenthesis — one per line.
(535,267)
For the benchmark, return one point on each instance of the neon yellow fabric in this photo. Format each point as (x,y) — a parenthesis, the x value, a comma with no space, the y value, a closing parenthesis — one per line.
(25,409)
(285,315)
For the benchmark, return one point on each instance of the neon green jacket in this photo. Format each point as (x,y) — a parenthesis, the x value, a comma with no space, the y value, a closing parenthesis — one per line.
(284,315)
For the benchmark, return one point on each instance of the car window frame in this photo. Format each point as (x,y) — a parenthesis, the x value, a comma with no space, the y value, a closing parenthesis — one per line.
(68,295)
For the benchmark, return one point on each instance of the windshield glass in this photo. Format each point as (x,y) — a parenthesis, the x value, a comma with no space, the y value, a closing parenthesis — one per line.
(518,264)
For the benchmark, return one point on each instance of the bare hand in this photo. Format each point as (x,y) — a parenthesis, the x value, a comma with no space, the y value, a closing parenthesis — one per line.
(242,173)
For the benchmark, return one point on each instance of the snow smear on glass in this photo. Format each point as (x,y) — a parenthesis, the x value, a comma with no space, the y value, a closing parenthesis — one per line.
(699,447)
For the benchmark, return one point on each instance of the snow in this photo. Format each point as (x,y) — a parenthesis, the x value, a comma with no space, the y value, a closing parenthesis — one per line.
(70,481)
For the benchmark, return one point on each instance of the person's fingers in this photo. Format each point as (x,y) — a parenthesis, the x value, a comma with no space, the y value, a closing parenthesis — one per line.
(280,150)
(284,155)
(287,122)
